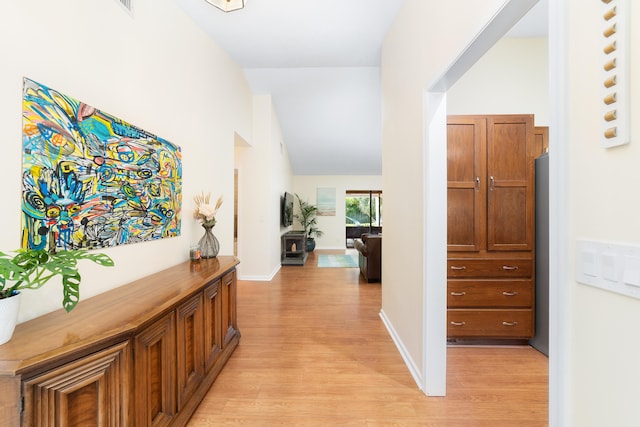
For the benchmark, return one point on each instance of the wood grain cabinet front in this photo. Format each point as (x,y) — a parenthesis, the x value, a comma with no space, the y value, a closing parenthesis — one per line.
(516,293)
(487,267)
(190,347)
(154,374)
(212,323)
(496,323)
(229,315)
(490,226)
(91,391)
(144,354)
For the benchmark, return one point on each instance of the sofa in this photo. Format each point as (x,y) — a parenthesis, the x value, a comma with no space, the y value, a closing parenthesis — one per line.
(369,248)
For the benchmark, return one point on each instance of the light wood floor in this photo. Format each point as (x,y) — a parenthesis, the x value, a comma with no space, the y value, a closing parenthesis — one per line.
(314,352)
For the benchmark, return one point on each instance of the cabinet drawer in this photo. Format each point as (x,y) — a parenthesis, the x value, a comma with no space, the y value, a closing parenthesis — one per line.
(490,323)
(490,293)
(498,268)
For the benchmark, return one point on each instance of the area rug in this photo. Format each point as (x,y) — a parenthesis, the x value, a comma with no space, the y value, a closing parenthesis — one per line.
(337,260)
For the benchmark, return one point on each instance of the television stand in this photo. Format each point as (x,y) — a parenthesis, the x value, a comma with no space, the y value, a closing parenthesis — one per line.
(294,248)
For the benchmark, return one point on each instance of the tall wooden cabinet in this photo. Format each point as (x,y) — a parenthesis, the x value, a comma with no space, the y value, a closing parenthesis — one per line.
(490,226)
(143,354)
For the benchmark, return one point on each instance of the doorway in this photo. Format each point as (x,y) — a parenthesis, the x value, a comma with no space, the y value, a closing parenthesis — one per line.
(435,198)
(435,121)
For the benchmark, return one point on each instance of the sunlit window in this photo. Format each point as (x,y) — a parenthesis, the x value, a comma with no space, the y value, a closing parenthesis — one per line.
(364,209)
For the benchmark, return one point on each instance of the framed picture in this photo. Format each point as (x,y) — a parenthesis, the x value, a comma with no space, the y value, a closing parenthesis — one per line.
(91,180)
(326,199)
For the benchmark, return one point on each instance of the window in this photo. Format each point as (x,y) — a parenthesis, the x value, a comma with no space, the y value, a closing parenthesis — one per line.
(364,209)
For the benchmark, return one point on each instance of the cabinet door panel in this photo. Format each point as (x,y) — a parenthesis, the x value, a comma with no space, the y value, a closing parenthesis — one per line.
(510,200)
(466,189)
(507,156)
(190,347)
(212,323)
(229,317)
(154,350)
(90,391)
(461,214)
(509,228)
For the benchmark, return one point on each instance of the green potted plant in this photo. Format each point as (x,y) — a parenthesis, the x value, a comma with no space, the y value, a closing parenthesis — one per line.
(31,269)
(307,216)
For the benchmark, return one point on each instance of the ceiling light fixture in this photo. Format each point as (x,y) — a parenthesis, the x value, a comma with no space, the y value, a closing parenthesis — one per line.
(227,5)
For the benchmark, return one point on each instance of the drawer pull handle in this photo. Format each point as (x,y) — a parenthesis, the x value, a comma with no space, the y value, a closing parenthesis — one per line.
(458,323)
(509,323)
(456,267)
(458,294)
(510,267)
(510,293)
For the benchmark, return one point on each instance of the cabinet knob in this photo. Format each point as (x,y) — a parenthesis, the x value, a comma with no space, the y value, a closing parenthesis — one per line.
(458,294)
(510,293)
(509,323)
(458,323)
(509,267)
(458,267)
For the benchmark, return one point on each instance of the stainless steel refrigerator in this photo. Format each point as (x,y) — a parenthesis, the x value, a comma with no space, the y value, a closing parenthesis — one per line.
(541,339)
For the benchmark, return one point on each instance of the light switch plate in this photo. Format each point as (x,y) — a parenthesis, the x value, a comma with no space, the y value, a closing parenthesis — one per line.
(610,266)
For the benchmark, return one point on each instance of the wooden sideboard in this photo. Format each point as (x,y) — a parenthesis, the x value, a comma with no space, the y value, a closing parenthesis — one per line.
(143,354)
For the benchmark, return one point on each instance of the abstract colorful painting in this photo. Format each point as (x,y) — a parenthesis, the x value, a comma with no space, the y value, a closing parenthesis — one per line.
(91,180)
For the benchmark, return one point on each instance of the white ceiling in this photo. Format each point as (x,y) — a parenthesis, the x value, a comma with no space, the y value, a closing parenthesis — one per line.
(320,61)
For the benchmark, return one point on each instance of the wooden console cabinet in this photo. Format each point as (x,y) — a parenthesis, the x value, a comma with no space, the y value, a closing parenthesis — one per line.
(144,354)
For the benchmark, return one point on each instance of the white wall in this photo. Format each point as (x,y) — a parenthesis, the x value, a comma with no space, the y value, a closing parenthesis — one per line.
(156,70)
(511,78)
(333,226)
(264,174)
(604,202)
(424,39)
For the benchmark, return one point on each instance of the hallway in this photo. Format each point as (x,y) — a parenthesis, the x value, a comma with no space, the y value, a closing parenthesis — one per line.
(314,352)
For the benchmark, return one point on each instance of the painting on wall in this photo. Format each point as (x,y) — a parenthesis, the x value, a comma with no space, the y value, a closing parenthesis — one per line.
(326,201)
(91,180)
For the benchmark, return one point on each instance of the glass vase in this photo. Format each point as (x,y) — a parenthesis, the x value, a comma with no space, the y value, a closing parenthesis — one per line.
(209,245)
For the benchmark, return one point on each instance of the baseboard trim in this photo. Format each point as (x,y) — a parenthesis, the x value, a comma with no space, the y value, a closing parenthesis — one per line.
(408,360)
(260,278)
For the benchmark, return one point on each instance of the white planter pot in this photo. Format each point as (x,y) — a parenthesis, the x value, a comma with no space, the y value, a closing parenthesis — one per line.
(8,316)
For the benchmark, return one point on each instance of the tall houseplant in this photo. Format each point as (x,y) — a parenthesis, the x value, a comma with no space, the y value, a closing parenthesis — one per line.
(307,216)
(31,269)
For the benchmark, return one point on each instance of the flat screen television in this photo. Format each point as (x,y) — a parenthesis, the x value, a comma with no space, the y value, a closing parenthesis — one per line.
(286,213)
